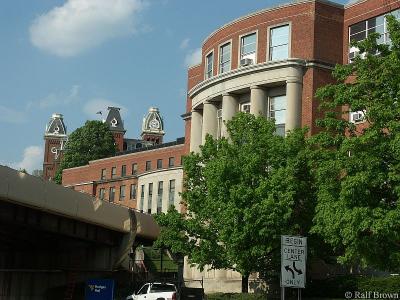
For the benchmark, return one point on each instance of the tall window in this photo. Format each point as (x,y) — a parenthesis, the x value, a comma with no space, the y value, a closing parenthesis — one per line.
(171,161)
(113,172)
(159,196)
(219,123)
(102,193)
(103,174)
(361,30)
(134,168)
(112,194)
(225,58)
(121,192)
(171,193)
(141,197)
(159,163)
(279,43)
(209,65)
(277,111)
(123,170)
(148,165)
(133,191)
(248,48)
(150,198)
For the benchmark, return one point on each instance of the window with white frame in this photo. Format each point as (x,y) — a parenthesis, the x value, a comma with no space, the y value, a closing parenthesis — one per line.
(102,193)
(245,107)
(133,191)
(248,47)
(277,111)
(361,30)
(122,193)
(225,58)
(279,43)
(111,196)
(209,65)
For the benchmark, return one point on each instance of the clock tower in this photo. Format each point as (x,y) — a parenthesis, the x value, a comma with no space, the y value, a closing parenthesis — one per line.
(116,125)
(55,138)
(153,127)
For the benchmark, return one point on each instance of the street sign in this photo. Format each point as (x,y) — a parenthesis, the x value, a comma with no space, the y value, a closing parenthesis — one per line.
(99,289)
(293,261)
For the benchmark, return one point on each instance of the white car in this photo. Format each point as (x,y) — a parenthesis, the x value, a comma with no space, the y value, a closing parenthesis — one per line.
(155,291)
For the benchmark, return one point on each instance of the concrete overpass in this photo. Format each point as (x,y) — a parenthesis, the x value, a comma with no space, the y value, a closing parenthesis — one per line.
(51,236)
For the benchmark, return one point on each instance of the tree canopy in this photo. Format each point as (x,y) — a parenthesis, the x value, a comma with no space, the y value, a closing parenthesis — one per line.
(241,194)
(358,173)
(91,141)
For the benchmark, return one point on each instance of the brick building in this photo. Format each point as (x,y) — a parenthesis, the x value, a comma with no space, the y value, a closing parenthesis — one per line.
(146,175)
(270,63)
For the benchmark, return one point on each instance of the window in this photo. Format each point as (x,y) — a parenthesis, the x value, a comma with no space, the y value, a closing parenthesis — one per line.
(159,163)
(141,197)
(225,58)
(361,30)
(248,49)
(134,169)
(219,123)
(123,170)
(171,194)
(209,65)
(112,194)
(121,192)
(103,174)
(245,107)
(277,111)
(133,191)
(171,161)
(279,43)
(150,198)
(148,165)
(102,193)
(159,196)
(113,172)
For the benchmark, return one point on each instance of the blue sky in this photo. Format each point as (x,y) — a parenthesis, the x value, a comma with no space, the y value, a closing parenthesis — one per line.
(77,57)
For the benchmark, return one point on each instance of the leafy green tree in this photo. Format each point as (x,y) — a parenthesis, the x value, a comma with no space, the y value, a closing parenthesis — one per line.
(91,141)
(358,174)
(241,194)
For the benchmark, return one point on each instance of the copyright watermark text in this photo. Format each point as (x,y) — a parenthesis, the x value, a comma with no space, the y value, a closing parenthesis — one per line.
(371,295)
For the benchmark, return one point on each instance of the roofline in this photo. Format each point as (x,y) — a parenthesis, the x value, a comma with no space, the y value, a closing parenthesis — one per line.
(250,15)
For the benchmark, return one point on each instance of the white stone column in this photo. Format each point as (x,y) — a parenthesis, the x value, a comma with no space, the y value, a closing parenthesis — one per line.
(195,130)
(229,109)
(294,89)
(210,125)
(258,101)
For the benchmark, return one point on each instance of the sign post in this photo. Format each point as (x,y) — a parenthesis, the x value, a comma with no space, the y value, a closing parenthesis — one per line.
(293,262)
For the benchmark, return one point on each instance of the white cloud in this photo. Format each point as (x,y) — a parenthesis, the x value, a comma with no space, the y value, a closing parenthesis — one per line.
(79,25)
(32,159)
(10,115)
(184,44)
(193,57)
(92,107)
(57,99)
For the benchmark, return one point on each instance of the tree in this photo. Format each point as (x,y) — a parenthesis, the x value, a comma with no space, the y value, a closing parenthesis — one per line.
(358,174)
(241,194)
(91,141)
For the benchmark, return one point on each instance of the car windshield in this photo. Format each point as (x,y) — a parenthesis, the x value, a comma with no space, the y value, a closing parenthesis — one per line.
(155,288)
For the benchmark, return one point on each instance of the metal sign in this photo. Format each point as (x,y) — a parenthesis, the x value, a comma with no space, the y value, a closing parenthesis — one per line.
(293,261)
(99,289)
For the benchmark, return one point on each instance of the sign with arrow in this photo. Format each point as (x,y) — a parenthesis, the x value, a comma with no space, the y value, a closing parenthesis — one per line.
(293,261)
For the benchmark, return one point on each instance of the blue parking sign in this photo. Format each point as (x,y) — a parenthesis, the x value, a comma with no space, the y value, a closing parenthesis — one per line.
(99,289)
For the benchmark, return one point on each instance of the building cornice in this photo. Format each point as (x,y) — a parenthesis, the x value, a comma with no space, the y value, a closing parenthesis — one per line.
(269,9)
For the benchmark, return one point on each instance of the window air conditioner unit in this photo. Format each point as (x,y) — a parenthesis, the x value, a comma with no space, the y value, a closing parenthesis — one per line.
(357,117)
(246,62)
